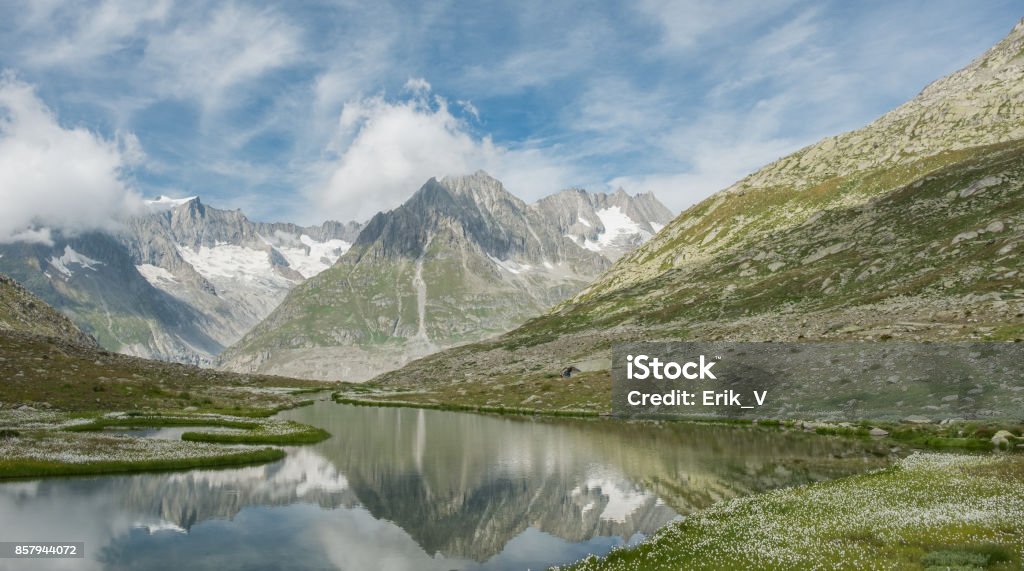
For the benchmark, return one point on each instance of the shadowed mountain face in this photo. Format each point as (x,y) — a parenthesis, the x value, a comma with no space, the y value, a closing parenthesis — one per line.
(179,283)
(909,228)
(92,279)
(461,260)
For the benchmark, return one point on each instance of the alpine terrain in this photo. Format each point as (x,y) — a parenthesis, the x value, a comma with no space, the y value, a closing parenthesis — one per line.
(463,259)
(178,283)
(909,228)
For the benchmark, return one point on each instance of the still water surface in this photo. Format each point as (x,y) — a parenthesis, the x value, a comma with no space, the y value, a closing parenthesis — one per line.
(399,489)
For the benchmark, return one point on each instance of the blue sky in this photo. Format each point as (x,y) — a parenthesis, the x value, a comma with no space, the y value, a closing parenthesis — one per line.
(306,111)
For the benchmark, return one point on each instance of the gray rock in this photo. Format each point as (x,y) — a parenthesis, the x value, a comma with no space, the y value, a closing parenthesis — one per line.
(1003,439)
(916,420)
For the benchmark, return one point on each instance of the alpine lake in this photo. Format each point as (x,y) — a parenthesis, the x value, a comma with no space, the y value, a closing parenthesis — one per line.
(405,488)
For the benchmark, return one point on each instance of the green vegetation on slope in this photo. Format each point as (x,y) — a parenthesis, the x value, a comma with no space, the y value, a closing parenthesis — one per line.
(47,373)
(23,312)
(937,258)
(910,516)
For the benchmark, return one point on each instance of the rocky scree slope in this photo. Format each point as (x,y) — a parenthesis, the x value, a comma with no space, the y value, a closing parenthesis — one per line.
(910,228)
(22,311)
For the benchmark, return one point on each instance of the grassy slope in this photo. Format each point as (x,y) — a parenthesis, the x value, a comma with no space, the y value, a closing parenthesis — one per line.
(22,311)
(930,511)
(901,272)
(49,373)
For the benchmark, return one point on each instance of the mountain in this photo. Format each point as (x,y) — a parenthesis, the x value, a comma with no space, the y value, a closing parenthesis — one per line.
(20,311)
(461,260)
(178,283)
(610,224)
(232,270)
(909,228)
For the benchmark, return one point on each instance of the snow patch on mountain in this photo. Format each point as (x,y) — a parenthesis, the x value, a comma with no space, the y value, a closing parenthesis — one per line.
(313,257)
(166,203)
(69,257)
(616,224)
(511,266)
(156,276)
(619,232)
(229,264)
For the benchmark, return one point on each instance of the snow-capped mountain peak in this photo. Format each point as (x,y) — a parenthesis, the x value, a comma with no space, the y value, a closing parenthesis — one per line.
(165,202)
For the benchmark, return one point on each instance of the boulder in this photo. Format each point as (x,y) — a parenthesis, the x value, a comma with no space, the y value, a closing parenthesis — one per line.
(878,432)
(1003,439)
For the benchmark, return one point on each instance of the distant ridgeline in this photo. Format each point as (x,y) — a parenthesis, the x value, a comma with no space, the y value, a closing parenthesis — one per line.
(462,260)
(179,283)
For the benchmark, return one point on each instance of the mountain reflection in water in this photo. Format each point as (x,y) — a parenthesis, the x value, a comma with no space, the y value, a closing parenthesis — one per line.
(420,489)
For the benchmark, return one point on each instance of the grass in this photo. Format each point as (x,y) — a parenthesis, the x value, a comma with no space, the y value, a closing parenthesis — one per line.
(160,421)
(535,392)
(928,511)
(30,468)
(250,432)
(455,407)
(302,434)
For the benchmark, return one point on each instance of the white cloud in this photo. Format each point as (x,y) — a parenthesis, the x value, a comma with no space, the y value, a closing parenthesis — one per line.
(684,23)
(84,35)
(204,57)
(393,147)
(417,85)
(55,177)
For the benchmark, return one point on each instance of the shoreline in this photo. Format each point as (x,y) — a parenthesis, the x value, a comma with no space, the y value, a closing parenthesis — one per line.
(53,444)
(903,434)
(929,510)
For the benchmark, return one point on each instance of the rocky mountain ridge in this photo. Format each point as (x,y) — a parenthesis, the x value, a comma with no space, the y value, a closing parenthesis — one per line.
(461,260)
(178,283)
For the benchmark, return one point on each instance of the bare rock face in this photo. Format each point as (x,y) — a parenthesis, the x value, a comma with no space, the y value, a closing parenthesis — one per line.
(463,259)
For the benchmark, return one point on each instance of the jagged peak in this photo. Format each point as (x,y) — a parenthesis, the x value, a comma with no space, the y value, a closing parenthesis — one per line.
(479,177)
(476,184)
